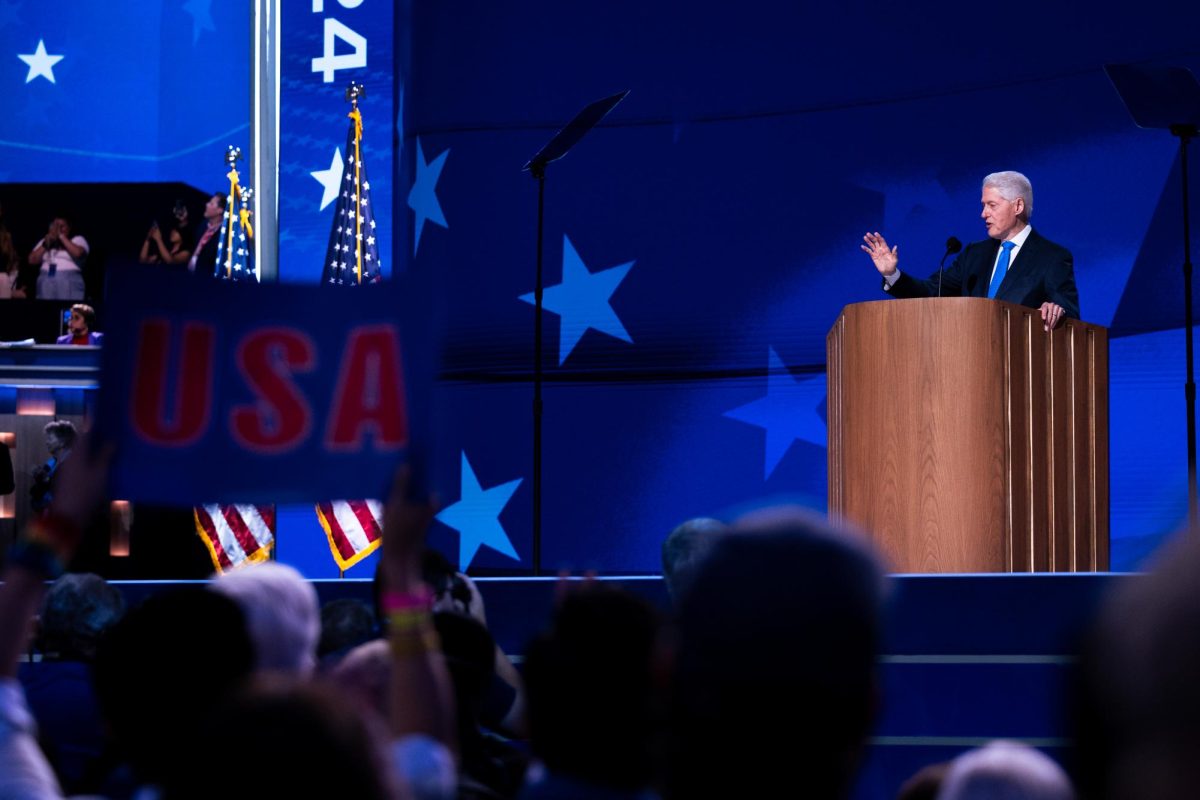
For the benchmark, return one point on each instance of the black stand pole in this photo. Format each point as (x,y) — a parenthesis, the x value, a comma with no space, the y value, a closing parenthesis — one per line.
(539,174)
(1169,98)
(555,149)
(1185,134)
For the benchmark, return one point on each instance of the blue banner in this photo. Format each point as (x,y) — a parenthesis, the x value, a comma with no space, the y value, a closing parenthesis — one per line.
(222,392)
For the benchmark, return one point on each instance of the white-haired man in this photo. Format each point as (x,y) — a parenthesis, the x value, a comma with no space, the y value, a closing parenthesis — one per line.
(1014,263)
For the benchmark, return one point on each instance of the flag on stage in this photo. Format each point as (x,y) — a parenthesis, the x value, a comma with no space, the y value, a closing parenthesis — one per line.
(353,254)
(352,258)
(237,235)
(354,528)
(236,536)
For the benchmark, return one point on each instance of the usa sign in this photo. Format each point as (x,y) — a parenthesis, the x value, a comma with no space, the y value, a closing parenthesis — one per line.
(235,392)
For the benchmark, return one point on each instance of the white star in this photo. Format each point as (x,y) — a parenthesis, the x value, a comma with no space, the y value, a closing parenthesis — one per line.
(371,241)
(367,185)
(41,64)
(330,179)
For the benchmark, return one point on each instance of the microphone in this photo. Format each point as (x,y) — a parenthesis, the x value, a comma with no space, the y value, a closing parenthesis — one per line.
(953,245)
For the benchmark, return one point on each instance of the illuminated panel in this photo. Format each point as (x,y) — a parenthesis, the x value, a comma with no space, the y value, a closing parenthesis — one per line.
(35,402)
(8,501)
(120,520)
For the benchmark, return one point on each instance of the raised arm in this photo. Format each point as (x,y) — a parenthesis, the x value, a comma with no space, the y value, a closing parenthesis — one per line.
(37,557)
(422,700)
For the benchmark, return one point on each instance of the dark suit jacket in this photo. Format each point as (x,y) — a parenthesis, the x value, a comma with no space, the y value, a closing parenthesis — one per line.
(1042,272)
(206,258)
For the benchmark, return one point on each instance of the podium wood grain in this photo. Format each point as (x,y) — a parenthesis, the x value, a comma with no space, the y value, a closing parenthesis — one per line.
(964,438)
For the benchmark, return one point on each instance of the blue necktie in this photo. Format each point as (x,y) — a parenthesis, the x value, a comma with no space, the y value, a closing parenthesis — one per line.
(1001,268)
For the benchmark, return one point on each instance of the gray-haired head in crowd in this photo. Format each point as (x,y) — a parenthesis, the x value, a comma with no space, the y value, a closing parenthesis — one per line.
(282,615)
(1005,771)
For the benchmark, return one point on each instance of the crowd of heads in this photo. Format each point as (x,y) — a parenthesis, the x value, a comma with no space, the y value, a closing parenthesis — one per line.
(761,678)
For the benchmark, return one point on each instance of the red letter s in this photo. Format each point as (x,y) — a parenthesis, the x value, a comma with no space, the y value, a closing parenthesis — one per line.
(280,419)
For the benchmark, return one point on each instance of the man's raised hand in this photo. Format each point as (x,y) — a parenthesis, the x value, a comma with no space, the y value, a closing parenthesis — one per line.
(884,258)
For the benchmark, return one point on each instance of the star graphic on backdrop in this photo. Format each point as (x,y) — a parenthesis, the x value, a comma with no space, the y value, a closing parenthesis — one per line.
(476,516)
(422,199)
(201,13)
(330,179)
(581,300)
(787,413)
(8,15)
(41,64)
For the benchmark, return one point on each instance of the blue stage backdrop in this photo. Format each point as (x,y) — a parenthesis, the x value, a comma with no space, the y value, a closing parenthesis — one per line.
(135,92)
(699,244)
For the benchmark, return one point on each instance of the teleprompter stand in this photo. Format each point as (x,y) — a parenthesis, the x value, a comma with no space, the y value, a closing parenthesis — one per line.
(1169,98)
(556,148)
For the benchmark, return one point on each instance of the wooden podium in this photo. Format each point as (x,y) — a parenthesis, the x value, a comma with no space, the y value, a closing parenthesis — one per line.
(964,438)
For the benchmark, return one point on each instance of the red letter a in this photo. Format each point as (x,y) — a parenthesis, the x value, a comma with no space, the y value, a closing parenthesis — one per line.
(369,392)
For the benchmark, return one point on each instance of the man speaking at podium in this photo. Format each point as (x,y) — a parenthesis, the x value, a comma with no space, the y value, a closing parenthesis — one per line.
(1015,263)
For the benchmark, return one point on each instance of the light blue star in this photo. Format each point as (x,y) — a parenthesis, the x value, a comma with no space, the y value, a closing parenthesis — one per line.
(422,199)
(787,413)
(581,300)
(41,64)
(330,179)
(476,516)
(201,13)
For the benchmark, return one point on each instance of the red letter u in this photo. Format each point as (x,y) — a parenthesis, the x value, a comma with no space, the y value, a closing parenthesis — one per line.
(191,383)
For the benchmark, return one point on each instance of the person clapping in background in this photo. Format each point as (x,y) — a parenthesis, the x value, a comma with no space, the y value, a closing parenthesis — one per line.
(61,257)
(173,247)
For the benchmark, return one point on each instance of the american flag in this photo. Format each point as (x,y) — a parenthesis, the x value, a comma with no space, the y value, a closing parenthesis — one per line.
(353,528)
(235,243)
(353,253)
(237,535)
(352,258)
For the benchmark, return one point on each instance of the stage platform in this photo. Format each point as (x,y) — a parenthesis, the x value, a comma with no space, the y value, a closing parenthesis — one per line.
(968,658)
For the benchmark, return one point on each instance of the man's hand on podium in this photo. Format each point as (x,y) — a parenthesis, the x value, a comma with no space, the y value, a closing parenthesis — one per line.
(1052,315)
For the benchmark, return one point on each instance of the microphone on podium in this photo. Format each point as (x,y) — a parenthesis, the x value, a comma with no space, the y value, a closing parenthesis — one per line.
(953,245)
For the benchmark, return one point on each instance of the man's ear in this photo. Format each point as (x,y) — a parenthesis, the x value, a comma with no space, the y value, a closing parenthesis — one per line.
(1020,204)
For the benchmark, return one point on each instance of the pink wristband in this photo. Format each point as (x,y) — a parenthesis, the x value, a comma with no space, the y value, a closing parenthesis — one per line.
(408,601)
